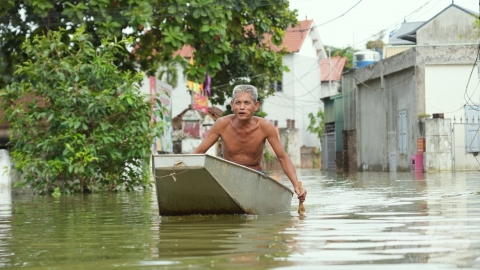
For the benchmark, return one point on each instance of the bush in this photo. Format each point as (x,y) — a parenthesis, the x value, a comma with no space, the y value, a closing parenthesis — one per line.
(77,122)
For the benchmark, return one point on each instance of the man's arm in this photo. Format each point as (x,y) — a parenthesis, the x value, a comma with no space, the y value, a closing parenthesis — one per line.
(210,139)
(284,159)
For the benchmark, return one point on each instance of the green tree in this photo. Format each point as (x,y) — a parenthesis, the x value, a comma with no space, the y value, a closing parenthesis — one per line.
(376,44)
(232,39)
(168,72)
(78,122)
(342,52)
(317,124)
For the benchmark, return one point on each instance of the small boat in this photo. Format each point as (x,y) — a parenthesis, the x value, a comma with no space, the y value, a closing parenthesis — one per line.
(190,184)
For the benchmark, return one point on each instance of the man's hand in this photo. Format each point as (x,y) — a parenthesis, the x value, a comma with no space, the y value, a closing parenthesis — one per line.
(301,195)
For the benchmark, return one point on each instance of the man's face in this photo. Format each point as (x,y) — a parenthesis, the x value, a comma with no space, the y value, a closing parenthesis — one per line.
(243,106)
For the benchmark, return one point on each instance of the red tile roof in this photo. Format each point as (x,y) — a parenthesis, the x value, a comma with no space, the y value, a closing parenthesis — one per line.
(294,36)
(292,42)
(186,51)
(338,63)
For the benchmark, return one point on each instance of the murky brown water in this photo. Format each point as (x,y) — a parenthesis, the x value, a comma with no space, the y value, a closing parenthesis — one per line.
(359,221)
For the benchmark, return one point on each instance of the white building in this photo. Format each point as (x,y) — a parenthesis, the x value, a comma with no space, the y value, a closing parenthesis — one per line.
(299,92)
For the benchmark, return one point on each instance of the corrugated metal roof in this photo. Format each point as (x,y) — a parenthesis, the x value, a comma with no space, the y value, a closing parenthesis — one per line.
(412,34)
(405,28)
(389,51)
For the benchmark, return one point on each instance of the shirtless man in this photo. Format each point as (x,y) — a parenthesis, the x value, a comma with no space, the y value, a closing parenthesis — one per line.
(243,136)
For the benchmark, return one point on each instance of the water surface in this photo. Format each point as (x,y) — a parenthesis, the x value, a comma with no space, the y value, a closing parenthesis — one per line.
(353,221)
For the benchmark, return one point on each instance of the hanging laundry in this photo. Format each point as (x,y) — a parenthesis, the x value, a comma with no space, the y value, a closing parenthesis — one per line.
(191,84)
(208,81)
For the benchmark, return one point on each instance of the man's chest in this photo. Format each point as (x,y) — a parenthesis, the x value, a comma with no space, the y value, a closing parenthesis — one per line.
(243,138)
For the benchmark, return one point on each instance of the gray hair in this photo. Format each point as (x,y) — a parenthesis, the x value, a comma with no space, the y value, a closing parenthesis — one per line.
(245,88)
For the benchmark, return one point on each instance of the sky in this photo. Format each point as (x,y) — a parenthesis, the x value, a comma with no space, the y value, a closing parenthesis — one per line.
(342,23)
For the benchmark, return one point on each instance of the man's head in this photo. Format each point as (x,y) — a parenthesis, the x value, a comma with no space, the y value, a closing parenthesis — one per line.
(244,102)
(245,88)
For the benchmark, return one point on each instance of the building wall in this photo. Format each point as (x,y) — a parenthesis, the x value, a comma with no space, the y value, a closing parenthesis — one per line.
(438,145)
(301,93)
(330,88)
(382,90)
(290,140)
(451,26)
(310,157)
(425,79)
(282,105)
(349,151)
(444,91)
(446,77)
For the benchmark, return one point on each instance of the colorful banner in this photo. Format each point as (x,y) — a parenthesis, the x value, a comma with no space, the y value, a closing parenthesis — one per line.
(200,103)
(163,143)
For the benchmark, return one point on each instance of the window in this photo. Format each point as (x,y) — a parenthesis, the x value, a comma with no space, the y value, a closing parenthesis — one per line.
(277,86)
(472,128)
(402,132)
(330,127)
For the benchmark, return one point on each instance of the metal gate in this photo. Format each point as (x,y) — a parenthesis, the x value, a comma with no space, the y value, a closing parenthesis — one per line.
(328,152)
(466,146)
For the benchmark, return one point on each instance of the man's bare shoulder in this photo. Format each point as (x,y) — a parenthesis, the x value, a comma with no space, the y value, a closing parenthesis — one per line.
(265,125)
(263,122)
(224,120)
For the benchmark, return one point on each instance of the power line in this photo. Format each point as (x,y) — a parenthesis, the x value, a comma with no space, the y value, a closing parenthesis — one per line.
(338,16)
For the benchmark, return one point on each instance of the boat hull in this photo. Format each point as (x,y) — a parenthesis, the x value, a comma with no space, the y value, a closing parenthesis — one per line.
(202,184)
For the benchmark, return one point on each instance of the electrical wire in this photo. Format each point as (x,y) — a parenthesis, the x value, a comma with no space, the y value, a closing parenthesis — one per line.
(343,14)
(468,100)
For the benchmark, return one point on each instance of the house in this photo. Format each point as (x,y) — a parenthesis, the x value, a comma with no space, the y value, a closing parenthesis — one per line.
(298,94)
(392,96)
(331,70)
(331,95)
(397,45)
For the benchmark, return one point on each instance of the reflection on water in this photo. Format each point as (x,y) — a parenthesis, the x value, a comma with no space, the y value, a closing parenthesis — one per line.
(5,207)
(369,220)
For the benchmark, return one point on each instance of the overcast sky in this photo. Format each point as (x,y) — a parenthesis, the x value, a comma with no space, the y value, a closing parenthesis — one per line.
(364,19)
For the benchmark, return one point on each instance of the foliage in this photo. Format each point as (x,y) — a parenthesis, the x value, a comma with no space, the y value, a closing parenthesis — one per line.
(227,36)
(342,52)
(424,115)
(376,44)
(476,28)
(317,124)
(76,121)
(267,155)
(168,71)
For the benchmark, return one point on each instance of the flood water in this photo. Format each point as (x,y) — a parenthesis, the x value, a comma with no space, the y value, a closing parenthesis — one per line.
(353,221)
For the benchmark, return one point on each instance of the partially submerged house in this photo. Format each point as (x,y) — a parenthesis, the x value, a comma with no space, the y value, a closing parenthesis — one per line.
(393,96)
(331,95)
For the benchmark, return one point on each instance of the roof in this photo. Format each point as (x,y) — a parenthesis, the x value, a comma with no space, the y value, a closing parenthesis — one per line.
(292,42)
(338,63)
(404,29)
(295,36)
(412,34)
(186,51)
(213,111)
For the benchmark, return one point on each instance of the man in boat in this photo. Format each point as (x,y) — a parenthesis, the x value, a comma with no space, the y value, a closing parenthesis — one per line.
(243,136)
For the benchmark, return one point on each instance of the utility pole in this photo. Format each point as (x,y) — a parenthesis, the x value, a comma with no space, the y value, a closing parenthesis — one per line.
(330,72)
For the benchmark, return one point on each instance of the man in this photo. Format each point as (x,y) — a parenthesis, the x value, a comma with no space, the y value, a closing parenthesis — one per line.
(243,136)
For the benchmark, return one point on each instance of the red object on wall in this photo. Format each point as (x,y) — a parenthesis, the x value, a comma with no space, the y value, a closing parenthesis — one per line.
(191,129)
(421,145)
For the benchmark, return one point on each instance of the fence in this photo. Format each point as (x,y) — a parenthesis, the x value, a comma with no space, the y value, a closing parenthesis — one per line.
(466,146)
